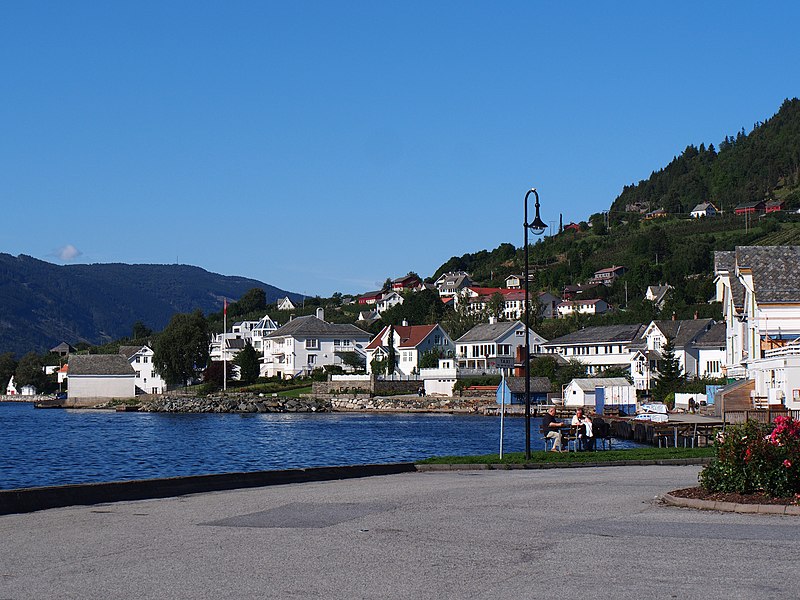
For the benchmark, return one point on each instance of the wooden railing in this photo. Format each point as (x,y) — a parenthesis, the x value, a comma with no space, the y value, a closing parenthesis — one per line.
(733,417)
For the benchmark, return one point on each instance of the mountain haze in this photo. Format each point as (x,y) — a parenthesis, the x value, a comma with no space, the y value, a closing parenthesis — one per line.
(42,304)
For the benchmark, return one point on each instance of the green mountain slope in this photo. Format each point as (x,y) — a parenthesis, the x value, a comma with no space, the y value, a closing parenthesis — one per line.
(42,304)
(762,164)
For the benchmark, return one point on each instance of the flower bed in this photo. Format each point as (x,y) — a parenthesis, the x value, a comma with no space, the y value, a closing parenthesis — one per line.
(754,460)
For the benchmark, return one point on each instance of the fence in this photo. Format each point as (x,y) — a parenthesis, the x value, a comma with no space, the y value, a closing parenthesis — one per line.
(733,417)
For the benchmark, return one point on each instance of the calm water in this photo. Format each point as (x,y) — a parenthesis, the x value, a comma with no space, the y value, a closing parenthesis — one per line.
(54,447)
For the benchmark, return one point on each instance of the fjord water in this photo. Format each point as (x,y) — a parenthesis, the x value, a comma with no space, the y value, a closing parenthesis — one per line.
(53,447)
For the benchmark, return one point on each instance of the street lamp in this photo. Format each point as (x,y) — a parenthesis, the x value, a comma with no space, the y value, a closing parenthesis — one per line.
(537,227)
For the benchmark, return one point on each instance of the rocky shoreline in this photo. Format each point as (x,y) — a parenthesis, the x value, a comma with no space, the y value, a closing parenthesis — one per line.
(242,403)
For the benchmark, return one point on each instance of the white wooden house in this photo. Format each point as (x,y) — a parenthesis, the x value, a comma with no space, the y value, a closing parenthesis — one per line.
(410,342)
(306,343)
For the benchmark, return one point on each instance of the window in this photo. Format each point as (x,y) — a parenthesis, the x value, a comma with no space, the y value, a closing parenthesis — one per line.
(312,359)
(137,374)
(337,342)
(136,360)
(345,342)
(153,390)
(520,333)
(145,359)
(713,366)
(312,344)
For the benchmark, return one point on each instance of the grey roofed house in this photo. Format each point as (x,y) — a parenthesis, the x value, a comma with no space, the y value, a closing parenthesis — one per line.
(682,333)
(99,364)
(725,262)
(235,343)
(486,332)
(129,351)
(775,270)
(601,334)
(311,326)
(713,338)
(657,294)
(589,385)
(539,385)
(63,349)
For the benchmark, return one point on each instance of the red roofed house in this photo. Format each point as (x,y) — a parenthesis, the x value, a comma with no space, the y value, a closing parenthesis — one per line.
(370,297)
(410,342)
(409,282)
(749,208)
(773,206)
(572,227)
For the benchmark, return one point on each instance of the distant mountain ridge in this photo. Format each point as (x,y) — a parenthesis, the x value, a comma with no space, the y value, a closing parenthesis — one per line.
(42,304)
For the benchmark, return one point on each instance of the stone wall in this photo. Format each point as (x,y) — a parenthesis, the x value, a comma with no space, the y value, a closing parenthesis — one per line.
(371,386)
(20,398)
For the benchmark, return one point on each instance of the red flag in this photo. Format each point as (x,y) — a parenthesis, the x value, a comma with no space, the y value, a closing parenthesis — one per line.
(225,306)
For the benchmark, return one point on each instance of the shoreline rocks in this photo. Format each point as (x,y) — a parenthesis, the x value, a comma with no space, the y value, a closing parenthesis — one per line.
(240,403)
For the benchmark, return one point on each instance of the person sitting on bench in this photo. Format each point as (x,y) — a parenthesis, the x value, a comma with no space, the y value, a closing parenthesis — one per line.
(550,428)
(584,430)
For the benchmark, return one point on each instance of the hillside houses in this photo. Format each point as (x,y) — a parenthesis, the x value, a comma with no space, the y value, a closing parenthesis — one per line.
(495,345)
(306,343)
(410,343)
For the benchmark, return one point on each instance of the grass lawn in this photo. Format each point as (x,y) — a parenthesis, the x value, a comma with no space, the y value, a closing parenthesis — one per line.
(295,393)
(574,457)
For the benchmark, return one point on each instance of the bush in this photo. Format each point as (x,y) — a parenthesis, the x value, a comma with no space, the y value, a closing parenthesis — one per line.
(751,458)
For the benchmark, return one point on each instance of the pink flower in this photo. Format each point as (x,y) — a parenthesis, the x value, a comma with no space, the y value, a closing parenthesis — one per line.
(787,463)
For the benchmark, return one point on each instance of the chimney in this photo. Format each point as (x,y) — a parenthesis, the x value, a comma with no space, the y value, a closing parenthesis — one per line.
(674,317)
(696,314)
(321,313)
(492,320)
(404,323)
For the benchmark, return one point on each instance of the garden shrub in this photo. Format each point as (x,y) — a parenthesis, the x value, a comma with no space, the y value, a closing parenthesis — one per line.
(752,457)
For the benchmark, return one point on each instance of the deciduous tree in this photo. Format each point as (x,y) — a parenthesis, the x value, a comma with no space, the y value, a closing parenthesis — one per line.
(182,348)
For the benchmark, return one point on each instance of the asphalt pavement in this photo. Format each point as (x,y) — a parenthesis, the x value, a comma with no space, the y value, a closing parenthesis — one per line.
(561,533)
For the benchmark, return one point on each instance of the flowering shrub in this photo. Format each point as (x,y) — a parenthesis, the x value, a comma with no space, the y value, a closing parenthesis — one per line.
(753,458)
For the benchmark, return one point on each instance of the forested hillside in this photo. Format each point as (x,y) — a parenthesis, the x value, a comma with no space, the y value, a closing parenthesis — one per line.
(764,164)
(42,304)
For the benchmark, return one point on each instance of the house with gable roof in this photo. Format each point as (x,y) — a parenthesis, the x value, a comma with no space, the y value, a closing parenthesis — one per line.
(410,342)
(608,275)
(409,282)
(285,304)
(593,306)
(97,378)
(387,301)
(450,284)
(495,345)
(657,294)
(759,287)
(704,209)
(148,381)
(598,348)
(310,342)
(699,347)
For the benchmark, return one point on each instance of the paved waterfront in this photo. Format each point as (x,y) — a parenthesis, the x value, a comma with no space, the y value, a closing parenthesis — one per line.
(562,533)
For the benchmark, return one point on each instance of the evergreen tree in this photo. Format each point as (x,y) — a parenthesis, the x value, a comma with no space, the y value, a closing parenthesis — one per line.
(247,361)
(670,376)
(391,358)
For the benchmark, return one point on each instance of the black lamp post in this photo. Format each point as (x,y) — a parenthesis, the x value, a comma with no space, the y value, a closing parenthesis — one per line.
(538,227)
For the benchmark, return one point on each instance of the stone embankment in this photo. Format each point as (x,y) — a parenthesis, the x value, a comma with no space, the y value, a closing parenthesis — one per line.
(241,403)
(233,404)
(410,404)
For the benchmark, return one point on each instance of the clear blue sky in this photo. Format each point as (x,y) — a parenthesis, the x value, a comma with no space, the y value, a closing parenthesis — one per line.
(324,146)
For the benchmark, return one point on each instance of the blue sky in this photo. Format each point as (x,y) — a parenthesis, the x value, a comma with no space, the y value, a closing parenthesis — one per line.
(325,146)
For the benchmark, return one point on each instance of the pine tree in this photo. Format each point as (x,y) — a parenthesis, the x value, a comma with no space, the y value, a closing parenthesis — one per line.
(247,361)
(670,375)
